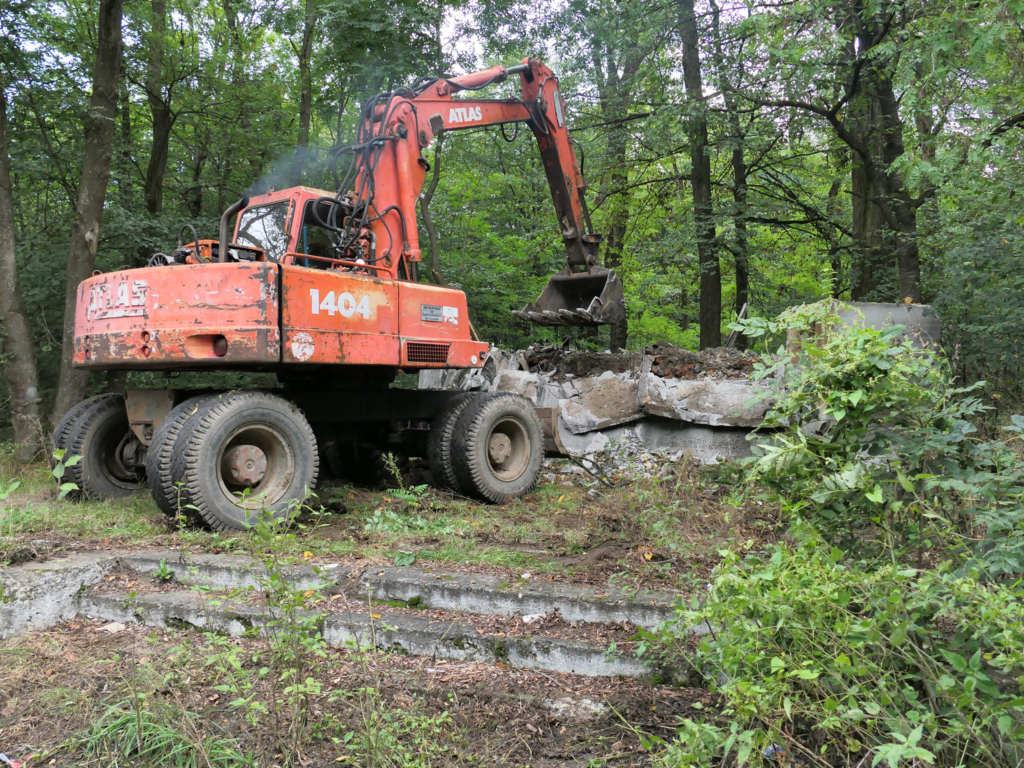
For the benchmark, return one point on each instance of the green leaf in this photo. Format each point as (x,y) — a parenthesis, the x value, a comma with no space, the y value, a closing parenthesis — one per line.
(405,558)
(898,635)
(875,495)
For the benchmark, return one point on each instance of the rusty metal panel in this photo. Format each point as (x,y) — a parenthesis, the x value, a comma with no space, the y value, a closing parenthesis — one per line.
(338,318)
(430,314)
(146,409)
(201,315)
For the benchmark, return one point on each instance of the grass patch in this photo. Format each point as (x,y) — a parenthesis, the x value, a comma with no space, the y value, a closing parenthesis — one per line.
(661,531)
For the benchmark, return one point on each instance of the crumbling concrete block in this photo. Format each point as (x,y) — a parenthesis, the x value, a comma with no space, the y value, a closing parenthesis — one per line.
(535,387)
(716,403)
(599,402)
(663,437)
(708,445)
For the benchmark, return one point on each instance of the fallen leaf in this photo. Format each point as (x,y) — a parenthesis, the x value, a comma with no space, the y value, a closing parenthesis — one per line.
(113,627)
(374,615)
(307,555)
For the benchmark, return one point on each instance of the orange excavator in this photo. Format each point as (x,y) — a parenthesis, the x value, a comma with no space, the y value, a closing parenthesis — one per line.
(322,290)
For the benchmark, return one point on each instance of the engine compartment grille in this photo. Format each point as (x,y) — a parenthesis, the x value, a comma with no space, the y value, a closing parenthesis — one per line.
(425,352)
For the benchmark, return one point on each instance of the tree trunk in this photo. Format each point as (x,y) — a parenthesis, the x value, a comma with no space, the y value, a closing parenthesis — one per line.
(615,71)
(194,196)
(869,267)
(159,105)
(92,190)
(306,92)
(741,261)
(834,253)
(710,313)
(124,171)
(18,346)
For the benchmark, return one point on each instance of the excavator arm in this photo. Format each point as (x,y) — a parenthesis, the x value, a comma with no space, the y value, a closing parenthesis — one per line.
(388,169)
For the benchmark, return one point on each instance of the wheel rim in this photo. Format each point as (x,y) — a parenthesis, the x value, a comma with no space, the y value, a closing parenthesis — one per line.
(508,449)
(256,458)
(119,458)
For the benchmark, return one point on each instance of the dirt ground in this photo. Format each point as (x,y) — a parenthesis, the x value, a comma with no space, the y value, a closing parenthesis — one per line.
(55,684)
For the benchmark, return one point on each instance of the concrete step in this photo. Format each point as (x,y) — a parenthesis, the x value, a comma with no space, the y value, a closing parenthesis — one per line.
(437,589)
(181,609)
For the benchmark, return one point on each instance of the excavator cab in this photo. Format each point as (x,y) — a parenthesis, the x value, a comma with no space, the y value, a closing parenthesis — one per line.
(593,296)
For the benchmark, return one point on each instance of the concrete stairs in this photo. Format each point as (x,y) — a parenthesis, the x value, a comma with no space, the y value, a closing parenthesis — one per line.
(434,613)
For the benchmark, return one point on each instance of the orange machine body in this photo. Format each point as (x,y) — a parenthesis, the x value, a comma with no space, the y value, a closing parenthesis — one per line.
(297,309)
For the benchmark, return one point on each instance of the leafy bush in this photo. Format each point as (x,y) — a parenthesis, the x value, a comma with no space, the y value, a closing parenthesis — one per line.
(830,665)
(876,446)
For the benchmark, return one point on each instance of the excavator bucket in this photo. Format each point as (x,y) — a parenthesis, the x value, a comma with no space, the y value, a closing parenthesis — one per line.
(591,297)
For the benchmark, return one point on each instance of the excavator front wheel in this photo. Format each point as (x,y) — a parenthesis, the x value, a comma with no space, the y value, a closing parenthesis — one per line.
(248,453)
(497,447)
(439,442)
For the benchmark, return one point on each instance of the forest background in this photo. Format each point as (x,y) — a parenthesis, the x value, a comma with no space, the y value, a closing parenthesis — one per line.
(765,153)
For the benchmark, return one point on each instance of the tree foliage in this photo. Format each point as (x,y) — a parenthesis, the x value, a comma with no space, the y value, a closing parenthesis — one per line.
(864,149)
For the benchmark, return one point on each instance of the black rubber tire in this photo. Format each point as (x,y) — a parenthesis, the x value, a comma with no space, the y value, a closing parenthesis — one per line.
(289,441)
(161,454)
(439,442)
(491,415)
(64,426)
(95,436)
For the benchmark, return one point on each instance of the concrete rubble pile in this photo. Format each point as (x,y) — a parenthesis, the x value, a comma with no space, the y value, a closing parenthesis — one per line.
(660,402)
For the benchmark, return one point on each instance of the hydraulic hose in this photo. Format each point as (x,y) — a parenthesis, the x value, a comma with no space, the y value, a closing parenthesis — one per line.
(222,252)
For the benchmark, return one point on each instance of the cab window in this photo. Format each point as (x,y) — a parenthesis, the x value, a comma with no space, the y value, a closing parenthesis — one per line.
(266,227)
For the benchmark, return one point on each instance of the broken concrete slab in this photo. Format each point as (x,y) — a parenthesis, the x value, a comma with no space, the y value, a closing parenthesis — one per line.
(708,445)
(535,387)
(38,595)
(715,403)
(667,438)
(921,322)
(599,402)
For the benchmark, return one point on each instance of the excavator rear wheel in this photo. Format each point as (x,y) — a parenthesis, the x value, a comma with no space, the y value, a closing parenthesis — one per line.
(249,453)
(63,431)
(497,447)
(162,450)
(113,462)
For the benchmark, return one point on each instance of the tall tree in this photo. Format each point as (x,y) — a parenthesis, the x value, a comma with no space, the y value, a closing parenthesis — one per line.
(18,345)
(159,107)
(710,312)
(305,55)
(615,64)
(737,138)
(92,191)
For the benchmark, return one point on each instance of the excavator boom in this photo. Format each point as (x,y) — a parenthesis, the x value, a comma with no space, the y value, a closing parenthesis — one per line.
(388,169)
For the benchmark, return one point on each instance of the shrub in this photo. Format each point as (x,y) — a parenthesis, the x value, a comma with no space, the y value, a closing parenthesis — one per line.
(830,665)
(876,446)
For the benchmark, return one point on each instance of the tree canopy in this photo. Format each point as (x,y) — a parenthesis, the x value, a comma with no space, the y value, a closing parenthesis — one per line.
(759,153)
